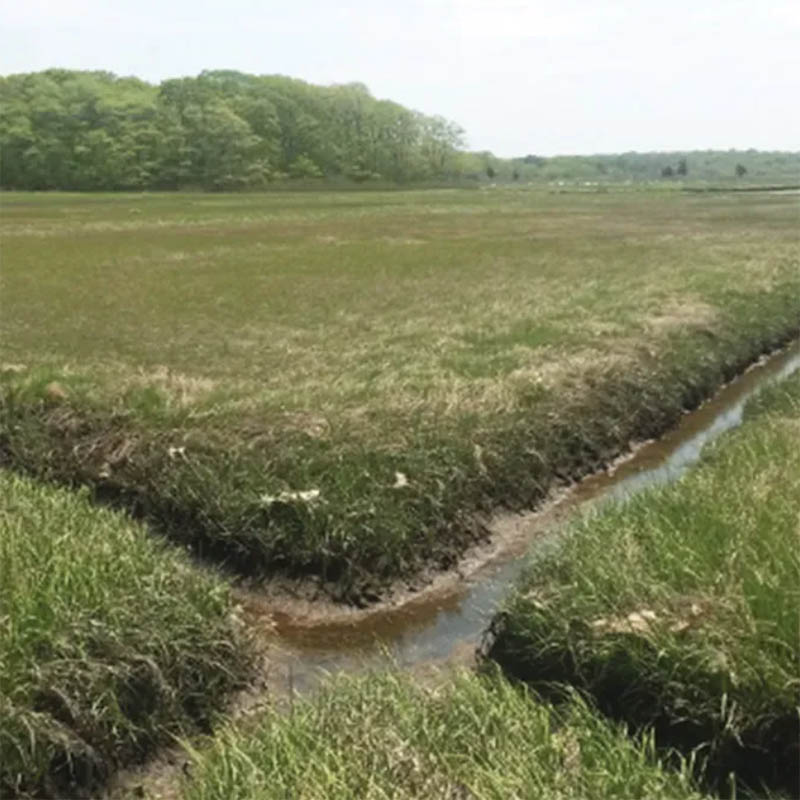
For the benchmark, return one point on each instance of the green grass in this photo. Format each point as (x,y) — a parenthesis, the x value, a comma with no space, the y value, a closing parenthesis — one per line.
(383,736)
(680,608)
(110,643)
(483,344)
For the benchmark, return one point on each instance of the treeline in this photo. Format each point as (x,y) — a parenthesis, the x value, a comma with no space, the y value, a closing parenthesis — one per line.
(690,166)
(62,129)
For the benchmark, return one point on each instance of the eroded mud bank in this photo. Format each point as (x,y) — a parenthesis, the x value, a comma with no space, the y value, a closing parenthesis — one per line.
(445,620)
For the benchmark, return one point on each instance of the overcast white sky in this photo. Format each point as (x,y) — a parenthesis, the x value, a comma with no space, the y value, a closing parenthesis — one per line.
(544,76)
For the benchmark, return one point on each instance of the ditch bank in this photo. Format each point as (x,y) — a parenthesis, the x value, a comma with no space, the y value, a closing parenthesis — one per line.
(676,612)
(201,483)
(445,623)
(446,620)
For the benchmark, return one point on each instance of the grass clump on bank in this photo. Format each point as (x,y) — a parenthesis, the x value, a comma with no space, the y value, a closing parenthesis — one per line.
(383,736)
(109,642)
(332,384)
(678,610)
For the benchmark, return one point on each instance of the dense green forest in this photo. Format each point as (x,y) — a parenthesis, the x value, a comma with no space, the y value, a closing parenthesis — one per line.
(63,129)
(221,130)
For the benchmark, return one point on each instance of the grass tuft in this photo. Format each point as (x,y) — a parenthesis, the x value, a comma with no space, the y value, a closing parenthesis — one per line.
(382,736)
(110,643)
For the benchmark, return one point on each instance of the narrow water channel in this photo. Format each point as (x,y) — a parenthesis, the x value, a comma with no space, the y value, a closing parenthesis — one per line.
(445,625)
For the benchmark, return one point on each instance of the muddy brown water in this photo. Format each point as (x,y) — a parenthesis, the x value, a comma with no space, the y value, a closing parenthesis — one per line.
(444,623)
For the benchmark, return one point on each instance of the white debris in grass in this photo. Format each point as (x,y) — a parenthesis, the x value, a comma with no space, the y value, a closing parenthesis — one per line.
(309,496)
(635,622)
(400,480)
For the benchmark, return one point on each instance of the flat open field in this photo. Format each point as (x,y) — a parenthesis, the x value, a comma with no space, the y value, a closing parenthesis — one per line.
(340,387)
(332,385)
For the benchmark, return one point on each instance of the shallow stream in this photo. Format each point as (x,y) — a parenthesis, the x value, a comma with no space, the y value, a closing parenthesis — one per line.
(445,622)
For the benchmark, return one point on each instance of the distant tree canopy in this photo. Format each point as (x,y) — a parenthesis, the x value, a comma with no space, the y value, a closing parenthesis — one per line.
(62,129)
(697,165)
(221,130)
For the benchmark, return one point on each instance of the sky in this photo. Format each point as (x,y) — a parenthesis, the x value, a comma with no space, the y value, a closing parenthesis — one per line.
(545,76)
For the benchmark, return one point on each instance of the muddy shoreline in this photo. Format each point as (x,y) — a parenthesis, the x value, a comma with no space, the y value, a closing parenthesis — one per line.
(304,605)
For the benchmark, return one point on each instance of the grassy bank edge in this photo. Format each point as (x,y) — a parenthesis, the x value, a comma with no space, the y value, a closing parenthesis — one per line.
(692,636)
(202,482)
(384,735)
(111,643)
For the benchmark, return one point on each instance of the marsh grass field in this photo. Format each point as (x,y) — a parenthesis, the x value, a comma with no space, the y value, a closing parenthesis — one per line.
(335,387)
(402,359)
